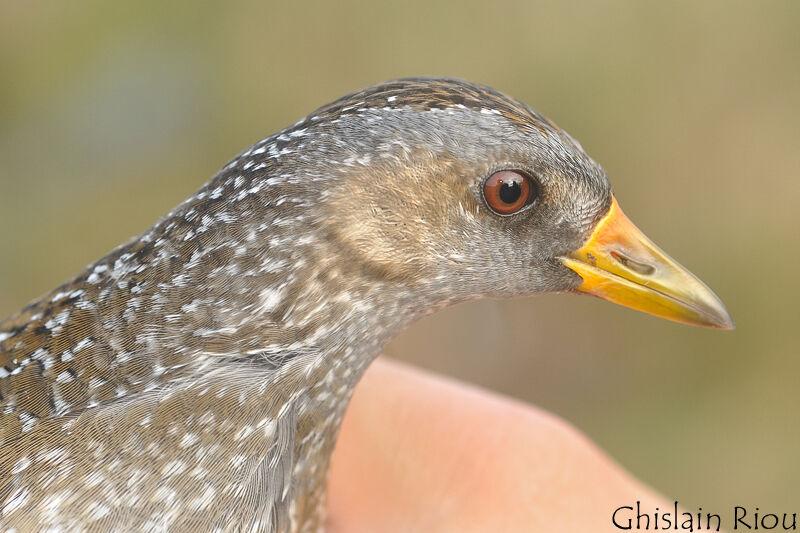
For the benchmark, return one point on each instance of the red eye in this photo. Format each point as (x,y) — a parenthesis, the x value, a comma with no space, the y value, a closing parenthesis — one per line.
(507,191)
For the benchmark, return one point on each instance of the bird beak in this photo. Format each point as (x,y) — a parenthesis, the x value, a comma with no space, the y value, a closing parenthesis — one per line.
(620,264)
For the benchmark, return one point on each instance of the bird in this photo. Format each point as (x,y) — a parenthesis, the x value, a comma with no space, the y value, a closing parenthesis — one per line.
(195,378)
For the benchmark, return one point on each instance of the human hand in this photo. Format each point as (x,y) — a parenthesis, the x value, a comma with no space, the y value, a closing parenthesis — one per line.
(423,453)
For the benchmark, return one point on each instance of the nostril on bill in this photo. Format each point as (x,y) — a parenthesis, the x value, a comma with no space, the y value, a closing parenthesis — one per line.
(640,268)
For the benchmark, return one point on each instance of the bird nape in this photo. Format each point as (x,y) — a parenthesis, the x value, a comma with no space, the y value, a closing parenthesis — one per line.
(196,377)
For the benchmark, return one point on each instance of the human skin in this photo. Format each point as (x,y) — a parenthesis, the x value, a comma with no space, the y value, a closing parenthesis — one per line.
(424,453)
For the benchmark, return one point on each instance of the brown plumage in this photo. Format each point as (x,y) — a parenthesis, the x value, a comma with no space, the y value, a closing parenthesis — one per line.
(196,377)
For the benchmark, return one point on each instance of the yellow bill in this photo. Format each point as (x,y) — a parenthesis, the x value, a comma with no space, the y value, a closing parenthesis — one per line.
(620,264)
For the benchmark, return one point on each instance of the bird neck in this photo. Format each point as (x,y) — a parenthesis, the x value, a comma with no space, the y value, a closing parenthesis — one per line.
(216,292)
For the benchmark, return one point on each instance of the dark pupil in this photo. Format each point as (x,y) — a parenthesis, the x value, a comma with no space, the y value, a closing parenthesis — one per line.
(510,192)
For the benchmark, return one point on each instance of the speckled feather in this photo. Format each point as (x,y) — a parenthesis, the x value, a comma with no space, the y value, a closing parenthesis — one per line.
(196,377)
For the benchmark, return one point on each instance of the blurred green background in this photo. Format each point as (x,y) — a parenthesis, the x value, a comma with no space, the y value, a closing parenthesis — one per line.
(113,112)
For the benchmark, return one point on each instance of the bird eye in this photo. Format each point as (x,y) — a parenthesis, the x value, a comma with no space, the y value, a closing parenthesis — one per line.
(508,191)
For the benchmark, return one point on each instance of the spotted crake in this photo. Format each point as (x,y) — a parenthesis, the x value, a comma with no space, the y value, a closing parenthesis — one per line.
(195,378)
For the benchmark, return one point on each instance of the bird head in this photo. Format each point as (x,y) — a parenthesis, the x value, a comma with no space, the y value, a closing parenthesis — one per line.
(463,192)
